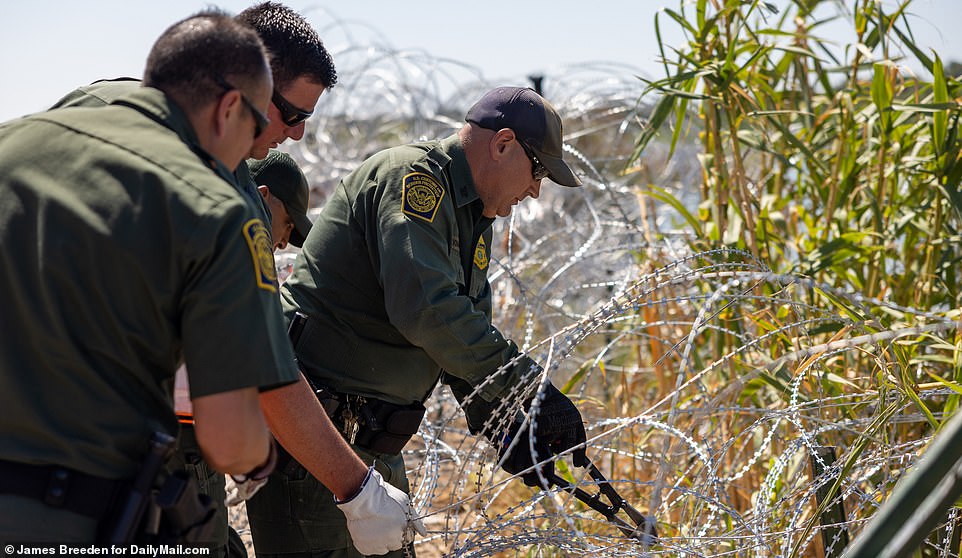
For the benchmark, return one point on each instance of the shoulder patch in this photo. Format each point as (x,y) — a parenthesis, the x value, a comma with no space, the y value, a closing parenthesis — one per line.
(481,254)
(422,196)
(259,241)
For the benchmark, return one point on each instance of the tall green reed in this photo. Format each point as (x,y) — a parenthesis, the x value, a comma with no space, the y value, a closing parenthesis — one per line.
(827,161)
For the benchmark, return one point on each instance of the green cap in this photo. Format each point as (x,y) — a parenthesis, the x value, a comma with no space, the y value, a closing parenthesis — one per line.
(284,179)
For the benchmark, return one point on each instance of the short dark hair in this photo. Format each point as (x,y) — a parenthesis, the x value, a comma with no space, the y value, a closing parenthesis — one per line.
(294,45)
(187,59)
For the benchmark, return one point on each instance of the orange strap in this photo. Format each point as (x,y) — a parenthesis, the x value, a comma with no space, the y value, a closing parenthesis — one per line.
(185,418)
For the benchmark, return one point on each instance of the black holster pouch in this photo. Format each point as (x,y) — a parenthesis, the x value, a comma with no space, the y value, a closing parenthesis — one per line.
(186,515)
(174,512)
(386,427)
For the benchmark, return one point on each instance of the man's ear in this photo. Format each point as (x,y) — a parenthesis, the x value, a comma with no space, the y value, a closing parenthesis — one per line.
(226,109)
(500,142)
(264,190)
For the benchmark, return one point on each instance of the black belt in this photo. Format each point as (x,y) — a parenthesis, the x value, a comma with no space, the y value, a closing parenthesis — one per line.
(372,424)
(59,487)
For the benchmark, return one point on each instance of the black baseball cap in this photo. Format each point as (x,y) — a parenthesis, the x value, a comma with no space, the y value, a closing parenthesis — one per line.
(534,121)
(284,179)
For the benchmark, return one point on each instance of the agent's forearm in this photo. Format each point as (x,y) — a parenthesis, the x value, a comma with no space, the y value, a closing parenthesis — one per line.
(298,422)
(230,430)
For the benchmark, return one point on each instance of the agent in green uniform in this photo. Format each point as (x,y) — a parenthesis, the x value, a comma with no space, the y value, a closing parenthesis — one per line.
(301,67)
(125,248)
(302,70)
(286,193)
(393,281)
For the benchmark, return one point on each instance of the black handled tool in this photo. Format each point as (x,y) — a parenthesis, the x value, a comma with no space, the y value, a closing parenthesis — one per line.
(139,499)
(643,529)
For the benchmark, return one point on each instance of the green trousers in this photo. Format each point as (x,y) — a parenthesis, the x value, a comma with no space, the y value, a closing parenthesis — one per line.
(210,482)
(294,515)
(30,520)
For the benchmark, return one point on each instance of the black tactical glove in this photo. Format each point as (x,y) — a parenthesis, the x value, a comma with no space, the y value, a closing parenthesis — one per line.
(557,427)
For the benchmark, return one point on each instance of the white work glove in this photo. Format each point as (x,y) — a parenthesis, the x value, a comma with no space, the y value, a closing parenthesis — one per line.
(238,492)
(242,487)
(380,517)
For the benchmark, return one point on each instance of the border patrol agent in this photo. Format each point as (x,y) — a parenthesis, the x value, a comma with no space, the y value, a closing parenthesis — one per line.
(393,282)
(286,193)
(126,248)
(104,92)
(302,69)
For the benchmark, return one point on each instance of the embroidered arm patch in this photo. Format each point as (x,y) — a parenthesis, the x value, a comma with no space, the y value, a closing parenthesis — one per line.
(422,196)
(259,241)
(481,254)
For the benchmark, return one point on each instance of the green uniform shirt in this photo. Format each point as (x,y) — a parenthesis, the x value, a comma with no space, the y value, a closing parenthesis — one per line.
(393,277)
(103,92)
(124,249)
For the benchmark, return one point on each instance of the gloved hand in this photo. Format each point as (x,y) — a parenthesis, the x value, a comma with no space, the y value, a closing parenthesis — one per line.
(380,517)
(558,427)
(242,487)
(239,492)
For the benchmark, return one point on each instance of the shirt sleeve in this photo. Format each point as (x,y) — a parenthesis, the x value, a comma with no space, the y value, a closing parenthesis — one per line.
(417,255)
(233,330)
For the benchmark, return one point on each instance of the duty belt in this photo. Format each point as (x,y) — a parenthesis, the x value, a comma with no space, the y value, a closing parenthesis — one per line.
(372,424)
(59,487)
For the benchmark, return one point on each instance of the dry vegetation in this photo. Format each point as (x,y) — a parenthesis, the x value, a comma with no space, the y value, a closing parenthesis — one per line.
(763,263)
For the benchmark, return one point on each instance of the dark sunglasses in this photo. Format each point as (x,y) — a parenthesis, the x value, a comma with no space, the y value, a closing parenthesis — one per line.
(538,170)
(260,119)
(290,115)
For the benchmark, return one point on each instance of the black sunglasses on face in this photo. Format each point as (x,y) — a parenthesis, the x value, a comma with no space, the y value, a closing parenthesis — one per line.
(290,115)
(538,171)
(260,119)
